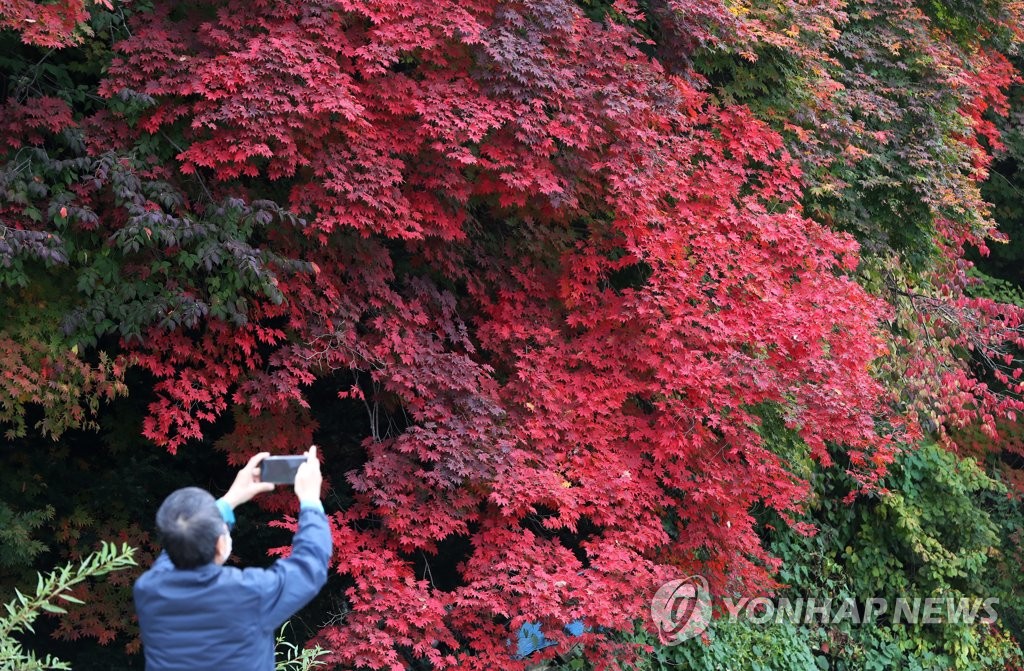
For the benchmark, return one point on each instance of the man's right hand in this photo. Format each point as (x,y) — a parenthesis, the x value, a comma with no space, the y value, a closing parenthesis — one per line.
(308,479)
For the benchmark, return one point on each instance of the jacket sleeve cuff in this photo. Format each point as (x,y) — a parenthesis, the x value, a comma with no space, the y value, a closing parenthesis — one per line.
(226,512)
(311,504)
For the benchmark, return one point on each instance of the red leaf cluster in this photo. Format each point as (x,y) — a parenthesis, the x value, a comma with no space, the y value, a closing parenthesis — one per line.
(537,160)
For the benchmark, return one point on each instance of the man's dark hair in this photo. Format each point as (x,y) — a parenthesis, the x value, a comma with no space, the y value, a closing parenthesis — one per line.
(189,524)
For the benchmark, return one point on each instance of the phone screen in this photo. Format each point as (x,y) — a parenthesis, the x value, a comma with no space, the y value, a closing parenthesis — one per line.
(281,469)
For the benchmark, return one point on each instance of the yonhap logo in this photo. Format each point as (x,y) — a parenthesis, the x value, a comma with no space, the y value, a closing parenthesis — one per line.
(681,609)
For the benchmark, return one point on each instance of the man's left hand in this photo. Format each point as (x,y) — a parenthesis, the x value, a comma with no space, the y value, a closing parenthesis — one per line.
(247,483)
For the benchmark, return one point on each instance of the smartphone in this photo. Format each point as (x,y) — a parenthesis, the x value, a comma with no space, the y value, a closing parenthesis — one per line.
(280,469)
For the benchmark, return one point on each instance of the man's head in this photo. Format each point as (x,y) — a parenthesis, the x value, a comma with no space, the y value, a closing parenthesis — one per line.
(192,530)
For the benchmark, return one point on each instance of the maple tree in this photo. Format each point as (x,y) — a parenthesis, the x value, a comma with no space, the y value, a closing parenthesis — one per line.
(567,258)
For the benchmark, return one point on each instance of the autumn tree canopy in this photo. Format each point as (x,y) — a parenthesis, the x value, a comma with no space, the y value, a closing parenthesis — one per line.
(565,260)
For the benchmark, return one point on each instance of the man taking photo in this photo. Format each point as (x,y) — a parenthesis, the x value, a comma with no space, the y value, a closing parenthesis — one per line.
(196,614)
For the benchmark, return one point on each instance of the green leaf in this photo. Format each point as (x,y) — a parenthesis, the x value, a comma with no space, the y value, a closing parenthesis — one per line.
(50,608)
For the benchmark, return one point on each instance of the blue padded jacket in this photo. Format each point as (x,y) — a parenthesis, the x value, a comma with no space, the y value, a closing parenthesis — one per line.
(221,618)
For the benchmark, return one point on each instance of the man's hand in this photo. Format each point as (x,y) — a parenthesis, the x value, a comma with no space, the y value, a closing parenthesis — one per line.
(247,483)
(308,478)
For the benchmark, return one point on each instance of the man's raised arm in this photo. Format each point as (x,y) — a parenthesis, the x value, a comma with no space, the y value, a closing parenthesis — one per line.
(292,582)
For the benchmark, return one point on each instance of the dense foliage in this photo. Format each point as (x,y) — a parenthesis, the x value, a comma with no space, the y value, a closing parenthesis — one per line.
(577,298)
